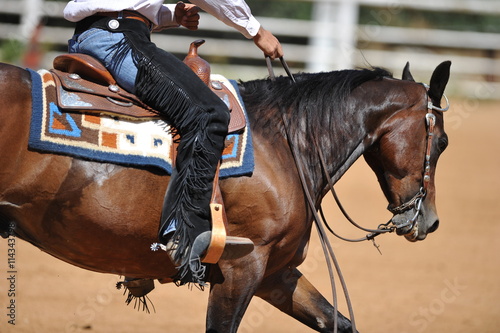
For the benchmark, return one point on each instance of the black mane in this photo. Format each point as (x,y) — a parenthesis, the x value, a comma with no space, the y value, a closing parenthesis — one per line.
(316,109)
(319,98)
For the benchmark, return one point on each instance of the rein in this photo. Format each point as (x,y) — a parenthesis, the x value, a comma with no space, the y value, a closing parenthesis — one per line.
(414,203)
(330,257)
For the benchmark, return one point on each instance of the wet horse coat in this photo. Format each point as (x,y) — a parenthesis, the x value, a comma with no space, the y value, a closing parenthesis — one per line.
(103,217)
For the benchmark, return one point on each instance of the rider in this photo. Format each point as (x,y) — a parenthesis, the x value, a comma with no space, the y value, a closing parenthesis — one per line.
(117,32)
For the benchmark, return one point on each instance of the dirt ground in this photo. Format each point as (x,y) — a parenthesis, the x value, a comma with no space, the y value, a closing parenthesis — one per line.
(447,283)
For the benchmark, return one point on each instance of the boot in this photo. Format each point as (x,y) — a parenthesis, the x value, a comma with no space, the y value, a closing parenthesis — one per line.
(235,247)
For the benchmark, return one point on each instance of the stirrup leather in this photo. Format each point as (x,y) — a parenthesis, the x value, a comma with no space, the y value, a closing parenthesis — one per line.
(219,224)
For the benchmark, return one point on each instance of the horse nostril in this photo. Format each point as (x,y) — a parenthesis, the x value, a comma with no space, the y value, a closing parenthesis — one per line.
(434,227)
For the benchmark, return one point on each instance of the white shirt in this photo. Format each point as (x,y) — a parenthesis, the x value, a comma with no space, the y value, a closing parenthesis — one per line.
(234,13)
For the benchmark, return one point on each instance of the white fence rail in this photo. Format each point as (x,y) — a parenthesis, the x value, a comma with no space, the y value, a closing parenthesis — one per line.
(333,40)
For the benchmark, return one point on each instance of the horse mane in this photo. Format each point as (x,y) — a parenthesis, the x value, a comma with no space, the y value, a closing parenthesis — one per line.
(318,99)
(316,109)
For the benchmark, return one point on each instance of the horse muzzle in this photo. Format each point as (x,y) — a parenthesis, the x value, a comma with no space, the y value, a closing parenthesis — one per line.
(406,224)
(415,227)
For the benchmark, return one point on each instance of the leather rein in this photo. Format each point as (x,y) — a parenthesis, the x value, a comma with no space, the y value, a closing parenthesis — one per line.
(330,258)
(414,203)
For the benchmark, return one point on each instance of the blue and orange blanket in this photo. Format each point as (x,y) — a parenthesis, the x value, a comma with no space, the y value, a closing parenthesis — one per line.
(145,143)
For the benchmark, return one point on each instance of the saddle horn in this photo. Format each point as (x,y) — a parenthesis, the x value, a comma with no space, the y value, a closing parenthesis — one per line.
(197,64)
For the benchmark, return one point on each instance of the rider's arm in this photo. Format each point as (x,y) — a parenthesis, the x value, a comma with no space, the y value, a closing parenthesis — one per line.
(234,13)
(237,14)
(166,17)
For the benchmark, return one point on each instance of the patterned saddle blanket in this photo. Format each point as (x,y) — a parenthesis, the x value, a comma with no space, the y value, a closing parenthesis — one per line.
(127,141)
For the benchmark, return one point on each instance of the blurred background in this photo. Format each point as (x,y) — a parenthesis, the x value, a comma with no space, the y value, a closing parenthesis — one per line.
(317,35)
(447,283)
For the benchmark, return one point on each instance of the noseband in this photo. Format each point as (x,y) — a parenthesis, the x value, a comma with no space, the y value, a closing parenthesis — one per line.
(416,201)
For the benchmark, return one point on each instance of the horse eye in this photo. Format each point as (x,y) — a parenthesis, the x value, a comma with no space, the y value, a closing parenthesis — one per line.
(442,144)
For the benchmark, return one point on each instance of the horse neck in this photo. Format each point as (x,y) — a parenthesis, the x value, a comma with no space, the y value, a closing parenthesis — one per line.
(354,129)
(340,146)
(339,125)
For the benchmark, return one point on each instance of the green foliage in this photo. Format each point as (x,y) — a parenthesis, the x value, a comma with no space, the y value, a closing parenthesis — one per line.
(429,19)
(282,9)
(11,50)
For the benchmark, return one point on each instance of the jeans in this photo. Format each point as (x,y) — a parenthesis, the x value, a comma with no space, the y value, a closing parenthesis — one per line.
(100,44)
(200,118)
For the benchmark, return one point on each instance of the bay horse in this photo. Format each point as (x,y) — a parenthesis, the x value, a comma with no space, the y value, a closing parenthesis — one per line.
(104,217)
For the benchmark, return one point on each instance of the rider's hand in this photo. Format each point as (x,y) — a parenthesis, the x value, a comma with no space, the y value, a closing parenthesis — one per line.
(269,44)
(186,15)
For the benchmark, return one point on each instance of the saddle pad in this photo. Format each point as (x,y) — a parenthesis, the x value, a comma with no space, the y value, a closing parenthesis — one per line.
(123,141)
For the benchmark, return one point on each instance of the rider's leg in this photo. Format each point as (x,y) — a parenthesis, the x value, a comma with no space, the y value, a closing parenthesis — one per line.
(163,82)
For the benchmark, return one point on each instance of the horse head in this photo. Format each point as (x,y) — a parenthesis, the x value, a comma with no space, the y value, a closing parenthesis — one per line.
(406,151)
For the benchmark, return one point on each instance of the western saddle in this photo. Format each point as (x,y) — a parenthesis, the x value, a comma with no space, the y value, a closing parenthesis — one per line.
(93,85)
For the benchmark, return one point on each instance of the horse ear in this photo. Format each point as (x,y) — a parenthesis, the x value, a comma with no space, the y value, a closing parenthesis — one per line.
(406,73)
(439,80)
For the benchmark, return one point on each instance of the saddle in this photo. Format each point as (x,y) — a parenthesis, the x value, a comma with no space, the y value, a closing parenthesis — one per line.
(83,84)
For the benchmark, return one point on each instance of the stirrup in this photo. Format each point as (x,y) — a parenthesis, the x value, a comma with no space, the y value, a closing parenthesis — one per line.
(233,248)
(223,246)
(237,247)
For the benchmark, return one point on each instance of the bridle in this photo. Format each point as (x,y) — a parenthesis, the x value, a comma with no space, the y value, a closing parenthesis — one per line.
(414,203)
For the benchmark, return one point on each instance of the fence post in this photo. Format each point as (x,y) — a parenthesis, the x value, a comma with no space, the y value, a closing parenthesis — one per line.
(30,19)
(333,36)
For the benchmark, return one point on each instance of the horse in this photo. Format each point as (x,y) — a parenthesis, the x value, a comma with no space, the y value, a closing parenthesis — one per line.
(103,217)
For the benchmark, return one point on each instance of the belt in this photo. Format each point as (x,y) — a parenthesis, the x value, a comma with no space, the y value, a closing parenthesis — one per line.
(93,21)
(127,14)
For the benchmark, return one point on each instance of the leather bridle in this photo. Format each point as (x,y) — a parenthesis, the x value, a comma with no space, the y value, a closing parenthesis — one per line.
(414,203)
